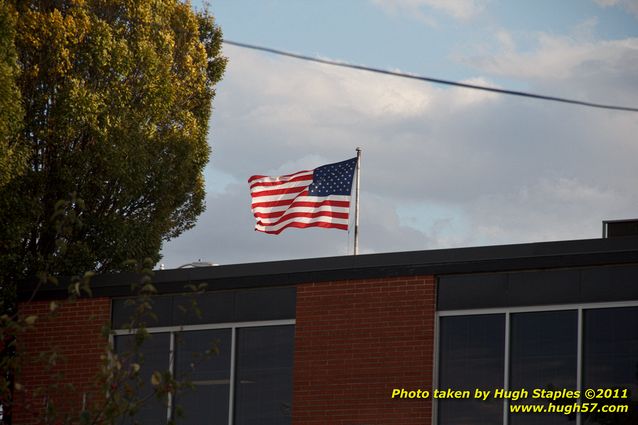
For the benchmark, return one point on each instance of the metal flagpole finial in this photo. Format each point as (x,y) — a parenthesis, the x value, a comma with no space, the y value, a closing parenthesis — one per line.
(356,203)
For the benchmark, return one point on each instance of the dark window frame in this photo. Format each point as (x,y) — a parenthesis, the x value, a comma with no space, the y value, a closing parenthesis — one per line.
(233,326)
(581,308)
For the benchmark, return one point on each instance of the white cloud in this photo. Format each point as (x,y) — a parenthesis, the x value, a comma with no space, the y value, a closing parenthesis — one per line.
(506,40)
(459,9)
(463,97)
(630,6)
(559,57)
(569,66)
(441,166)
(549,209)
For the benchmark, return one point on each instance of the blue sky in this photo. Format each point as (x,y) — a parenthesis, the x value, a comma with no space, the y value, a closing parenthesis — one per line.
(442,167)
(392,34)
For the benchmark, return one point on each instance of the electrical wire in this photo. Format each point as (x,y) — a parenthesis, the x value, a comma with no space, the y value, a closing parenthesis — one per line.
(431,80)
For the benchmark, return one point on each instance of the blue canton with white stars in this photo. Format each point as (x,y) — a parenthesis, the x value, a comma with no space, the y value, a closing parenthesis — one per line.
(333,179)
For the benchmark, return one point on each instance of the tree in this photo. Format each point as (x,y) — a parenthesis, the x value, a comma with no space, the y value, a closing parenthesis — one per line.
(12,158)
(117,98)
(12,152)
(104,110)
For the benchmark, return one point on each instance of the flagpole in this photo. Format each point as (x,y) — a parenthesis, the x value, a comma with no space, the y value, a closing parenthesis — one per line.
(356,204)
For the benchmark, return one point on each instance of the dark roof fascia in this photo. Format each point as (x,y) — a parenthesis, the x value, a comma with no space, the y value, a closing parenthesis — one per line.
(498,258)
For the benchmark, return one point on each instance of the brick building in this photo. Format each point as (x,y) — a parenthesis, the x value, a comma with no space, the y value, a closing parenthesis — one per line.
(328,340)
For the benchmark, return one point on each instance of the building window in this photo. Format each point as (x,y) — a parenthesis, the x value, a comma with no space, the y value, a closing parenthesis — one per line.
(543,354)
(154,354)
(202,358)
(610,359)
(234,347)
(264,375)
(471,356)
(239,373)
(538,348)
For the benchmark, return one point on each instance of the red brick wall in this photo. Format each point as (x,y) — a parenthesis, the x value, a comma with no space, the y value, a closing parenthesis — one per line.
(74,332)
(355,342)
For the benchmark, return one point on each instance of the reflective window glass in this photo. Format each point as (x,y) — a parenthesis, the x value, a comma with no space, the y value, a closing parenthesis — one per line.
(202,360)
(610,360)
(152,355)
(264,375)
(472,353)
(543,355)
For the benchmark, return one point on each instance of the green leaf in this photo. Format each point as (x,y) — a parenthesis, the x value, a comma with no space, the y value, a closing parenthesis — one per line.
(107,161)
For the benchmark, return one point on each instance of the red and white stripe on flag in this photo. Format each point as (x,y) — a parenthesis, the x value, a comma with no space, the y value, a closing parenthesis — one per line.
(284,201)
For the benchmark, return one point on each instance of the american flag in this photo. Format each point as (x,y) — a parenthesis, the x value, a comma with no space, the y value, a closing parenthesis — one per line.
(310,198)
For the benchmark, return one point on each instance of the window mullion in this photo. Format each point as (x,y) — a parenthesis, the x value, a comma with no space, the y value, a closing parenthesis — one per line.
(579,360)
(231,396)
(506,366)
(171,370)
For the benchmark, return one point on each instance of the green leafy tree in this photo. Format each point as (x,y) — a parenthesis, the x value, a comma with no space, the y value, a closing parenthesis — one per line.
(12,153)
(104,111)
(116,98)
(12,157)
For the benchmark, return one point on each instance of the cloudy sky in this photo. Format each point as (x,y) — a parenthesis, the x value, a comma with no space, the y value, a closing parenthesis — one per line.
(442,166)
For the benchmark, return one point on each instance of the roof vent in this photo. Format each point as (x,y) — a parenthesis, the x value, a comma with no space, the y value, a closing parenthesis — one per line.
(620,228)
(198,263)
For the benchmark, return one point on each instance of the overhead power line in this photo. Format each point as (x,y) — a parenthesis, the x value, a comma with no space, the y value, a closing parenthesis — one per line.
(431,80)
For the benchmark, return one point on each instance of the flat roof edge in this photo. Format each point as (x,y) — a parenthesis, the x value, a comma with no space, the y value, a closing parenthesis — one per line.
(537,255)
